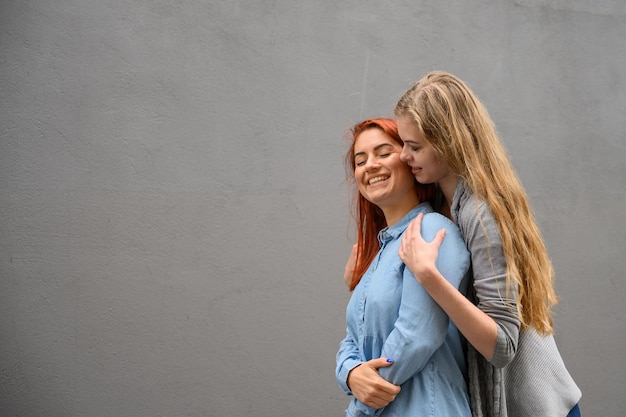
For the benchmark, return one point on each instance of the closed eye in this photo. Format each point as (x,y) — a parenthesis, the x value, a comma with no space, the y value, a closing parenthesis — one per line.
(360,159)
(412,145)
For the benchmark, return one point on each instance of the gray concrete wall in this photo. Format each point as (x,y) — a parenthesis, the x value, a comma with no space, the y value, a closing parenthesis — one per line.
(173,217)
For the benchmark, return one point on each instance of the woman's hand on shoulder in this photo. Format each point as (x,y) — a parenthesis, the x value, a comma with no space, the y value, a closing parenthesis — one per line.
(369,387)
(417,254)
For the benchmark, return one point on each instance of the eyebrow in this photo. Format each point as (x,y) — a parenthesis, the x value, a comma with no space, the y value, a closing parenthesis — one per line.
(377,147)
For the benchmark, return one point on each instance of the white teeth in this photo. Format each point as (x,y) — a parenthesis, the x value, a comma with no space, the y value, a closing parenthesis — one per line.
(376,179)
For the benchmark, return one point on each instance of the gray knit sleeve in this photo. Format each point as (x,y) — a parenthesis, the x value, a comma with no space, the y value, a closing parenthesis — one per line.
(482,236)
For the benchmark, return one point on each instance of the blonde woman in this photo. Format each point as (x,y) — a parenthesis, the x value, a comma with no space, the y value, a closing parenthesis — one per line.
(515,368)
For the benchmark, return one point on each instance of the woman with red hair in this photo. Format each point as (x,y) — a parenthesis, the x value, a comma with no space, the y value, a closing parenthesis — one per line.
(401,355)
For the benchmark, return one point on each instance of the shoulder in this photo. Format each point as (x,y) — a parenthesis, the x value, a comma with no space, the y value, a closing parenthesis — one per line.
(470,206)
(466,205)
(475,219)
(433,222)
(453,243)
(453,258)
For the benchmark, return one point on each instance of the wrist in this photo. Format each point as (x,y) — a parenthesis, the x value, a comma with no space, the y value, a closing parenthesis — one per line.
(348,377)
(431,278)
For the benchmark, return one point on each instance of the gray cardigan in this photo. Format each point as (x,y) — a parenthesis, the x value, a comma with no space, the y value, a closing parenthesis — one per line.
(526,376)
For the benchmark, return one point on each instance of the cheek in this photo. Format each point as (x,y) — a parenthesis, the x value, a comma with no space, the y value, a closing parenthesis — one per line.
(439,162)
(358,176)
(433,160)
(417,157)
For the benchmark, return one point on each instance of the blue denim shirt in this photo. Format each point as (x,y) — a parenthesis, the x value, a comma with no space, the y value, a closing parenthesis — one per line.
(391,315)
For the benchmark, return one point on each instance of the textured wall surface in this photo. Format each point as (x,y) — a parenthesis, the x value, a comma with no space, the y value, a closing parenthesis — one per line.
(173,214)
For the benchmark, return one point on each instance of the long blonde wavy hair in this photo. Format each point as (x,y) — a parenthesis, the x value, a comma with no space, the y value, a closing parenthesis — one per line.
(462,133)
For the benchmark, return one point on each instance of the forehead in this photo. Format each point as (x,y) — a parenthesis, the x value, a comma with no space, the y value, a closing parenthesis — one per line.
(407,124)
(371,139)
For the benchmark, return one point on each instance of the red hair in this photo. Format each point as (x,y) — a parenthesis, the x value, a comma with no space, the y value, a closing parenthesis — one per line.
(369,217)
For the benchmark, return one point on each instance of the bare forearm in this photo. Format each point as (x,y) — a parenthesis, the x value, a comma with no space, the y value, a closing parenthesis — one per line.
(478,328)
(420,257)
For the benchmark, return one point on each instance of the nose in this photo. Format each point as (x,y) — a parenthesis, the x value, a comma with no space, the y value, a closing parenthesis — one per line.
(404,154)
(371,164)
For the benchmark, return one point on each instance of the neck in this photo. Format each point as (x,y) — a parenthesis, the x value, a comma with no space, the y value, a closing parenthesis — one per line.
(448,186)
(393,214)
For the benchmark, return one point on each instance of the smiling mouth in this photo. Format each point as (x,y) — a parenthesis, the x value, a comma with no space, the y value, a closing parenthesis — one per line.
(375,180)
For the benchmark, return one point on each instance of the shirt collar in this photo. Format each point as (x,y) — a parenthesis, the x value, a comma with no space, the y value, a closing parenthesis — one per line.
(459,193)
(393,232)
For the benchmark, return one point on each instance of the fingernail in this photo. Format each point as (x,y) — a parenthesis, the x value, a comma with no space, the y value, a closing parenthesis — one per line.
(389,360)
